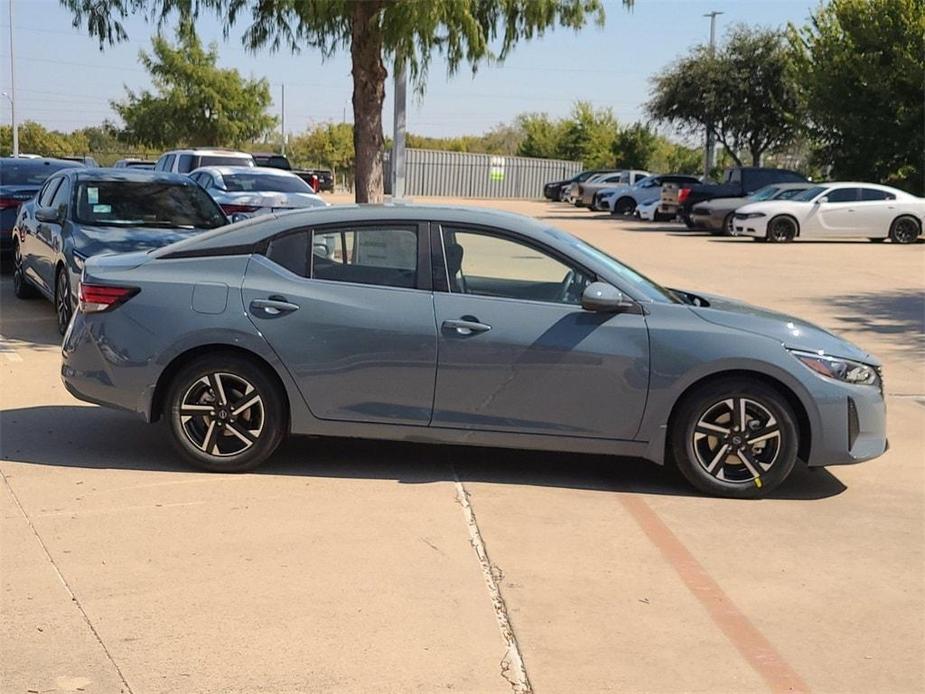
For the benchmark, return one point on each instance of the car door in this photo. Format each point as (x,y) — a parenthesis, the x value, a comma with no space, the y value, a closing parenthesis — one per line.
(875,212)
(516,350)
(349,310)
(837,216)
(34,246)
(48,235)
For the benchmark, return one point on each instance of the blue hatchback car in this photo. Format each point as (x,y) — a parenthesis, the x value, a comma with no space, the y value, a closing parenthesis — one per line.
(79,213)
(463,326)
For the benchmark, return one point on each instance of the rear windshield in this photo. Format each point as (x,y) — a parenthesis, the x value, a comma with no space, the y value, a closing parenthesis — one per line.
(26,172)
(244,182)
(219,160)
(276,162)
(147,203)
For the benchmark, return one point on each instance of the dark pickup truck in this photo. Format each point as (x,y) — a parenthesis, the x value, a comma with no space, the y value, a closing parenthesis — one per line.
(737,182)
(322,180)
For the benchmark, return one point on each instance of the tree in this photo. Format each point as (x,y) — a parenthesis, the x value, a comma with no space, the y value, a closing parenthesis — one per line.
(635,146)
(588,135)
(861,65)
(542,136)
(197,103)
(745,93)
(400,32)
(328,144)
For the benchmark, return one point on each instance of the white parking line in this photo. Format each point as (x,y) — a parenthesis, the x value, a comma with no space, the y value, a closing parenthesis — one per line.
(8,351)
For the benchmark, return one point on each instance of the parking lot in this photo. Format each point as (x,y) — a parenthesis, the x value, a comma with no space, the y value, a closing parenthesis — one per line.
(364,566)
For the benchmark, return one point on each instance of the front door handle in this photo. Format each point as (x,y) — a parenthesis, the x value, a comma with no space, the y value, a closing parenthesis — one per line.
(272,307)
(467,325)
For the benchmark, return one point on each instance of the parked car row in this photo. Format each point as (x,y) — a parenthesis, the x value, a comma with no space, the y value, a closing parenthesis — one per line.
(766,204)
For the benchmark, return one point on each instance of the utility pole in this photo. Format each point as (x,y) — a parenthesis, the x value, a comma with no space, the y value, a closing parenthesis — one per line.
(282,89)
(13,88)
(398,141)
(709,155)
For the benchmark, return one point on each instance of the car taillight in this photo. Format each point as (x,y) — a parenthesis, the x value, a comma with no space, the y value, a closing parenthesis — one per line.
(239,209)
(683,193)
(7,203)
(95,298)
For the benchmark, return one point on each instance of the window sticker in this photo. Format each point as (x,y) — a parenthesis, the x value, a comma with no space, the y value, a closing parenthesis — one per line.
(93,196)
(102,209)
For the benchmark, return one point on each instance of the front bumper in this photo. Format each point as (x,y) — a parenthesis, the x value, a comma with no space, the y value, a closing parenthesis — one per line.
(755,227)
(706,221)
(851,426)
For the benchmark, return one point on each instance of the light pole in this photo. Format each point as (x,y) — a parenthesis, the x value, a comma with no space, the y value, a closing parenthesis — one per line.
(708,150)
(12,95)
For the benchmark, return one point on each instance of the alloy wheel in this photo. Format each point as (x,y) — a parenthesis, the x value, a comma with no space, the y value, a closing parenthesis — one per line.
(63,307)
(222,414)
(905,230)
(781,229)
(737,440)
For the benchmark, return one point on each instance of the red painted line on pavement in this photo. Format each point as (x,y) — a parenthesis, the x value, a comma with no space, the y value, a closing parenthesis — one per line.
(751,643)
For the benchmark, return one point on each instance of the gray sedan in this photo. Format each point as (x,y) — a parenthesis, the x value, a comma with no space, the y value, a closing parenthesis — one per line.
(716,215)
(464,326)
(245,191)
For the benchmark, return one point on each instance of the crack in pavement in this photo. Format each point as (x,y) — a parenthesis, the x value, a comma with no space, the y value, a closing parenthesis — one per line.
(67,587)
(513,668)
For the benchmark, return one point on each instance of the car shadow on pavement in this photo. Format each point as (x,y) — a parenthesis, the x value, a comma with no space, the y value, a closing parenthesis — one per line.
(97,438)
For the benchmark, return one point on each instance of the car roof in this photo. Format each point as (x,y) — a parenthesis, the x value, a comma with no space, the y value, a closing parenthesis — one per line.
(36,160)
(129,174)
(211,150)
(254,230)
(250,170)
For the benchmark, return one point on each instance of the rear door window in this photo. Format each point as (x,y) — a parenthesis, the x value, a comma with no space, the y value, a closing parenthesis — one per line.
(870,194)
(185,163)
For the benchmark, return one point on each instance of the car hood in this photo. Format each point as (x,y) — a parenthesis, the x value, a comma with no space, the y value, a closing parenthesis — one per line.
(792,332)
(96,240)
(272,199)
(770,207)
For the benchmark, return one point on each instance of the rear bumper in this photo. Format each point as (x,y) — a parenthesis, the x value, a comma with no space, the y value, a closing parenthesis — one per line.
(706,221)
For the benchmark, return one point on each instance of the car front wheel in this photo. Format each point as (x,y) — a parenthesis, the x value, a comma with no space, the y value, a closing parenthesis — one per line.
(225,413)
(735,438)
(781,230)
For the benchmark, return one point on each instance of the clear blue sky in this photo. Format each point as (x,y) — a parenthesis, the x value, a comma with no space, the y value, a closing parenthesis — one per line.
(64,81)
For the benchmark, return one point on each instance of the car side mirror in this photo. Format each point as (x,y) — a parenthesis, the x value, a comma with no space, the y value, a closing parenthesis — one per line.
(821,201)
(52,215)
(239,217)
(604,298)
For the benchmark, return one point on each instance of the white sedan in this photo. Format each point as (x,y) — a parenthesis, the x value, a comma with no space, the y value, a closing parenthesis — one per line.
(835,210)
(249,191)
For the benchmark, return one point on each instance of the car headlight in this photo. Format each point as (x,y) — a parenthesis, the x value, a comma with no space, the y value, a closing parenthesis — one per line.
(838,369)
(751,215)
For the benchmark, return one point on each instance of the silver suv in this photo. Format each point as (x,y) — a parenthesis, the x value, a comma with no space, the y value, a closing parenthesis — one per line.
(186,160)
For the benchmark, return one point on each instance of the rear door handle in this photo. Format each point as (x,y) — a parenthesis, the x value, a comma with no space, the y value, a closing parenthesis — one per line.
(272,307)
(466,326)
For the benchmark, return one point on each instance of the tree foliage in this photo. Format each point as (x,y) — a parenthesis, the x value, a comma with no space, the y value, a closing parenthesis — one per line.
(635,147)
(745,93)
(861,65)
(196,102)
(376,32)
(328,144)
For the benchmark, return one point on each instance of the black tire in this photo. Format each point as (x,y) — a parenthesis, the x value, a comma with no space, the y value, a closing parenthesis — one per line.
(713,461)
(64,306)
(237,440)
(659,217)
(624,206)
(727,225)
(781,229)
(22,289)
(905,229)
(688,222)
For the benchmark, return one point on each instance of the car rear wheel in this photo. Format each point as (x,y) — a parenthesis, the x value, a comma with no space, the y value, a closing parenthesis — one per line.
(225,413)
(904,229)
(64,305)
(781,230)
(736,438)
(21,287)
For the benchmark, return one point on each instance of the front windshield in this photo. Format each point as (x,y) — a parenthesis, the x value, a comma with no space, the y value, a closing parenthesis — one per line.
(637,282)
(164,204)
(809,194)
(247,182)
(765,193)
